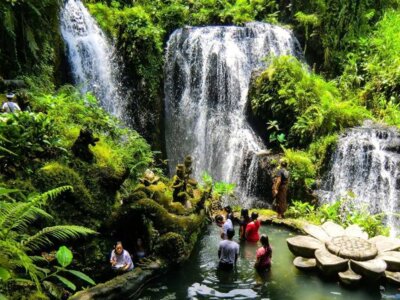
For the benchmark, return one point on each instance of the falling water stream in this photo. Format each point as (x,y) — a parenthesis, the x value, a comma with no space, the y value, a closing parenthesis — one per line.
(366,169)
(91,56)
(207,76)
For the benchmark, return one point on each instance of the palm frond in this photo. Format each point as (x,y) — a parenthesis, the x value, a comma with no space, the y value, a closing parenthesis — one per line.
(61,233)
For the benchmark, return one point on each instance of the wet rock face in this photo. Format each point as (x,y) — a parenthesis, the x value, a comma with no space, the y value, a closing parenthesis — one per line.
(352,247)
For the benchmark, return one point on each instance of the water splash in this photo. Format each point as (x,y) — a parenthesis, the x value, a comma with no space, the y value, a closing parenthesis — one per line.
(91,56)
(367,164)
(208,71)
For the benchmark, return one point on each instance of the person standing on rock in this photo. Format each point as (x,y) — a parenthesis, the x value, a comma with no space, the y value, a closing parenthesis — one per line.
(279,189)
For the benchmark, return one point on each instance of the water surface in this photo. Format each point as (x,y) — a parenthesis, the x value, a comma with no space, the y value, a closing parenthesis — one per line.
(199,279)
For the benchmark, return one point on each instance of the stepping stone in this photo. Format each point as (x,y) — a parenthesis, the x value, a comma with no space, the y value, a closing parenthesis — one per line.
(393,277)
(349,277)
(384,243)
(372,269)
(305,263)
(356,231)
(330,264)
(392,259)
(304,246)
(332,229)
(317,232)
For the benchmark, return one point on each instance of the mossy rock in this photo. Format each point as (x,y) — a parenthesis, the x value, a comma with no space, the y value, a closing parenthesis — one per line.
(172,247)
(132,198)
(88,204)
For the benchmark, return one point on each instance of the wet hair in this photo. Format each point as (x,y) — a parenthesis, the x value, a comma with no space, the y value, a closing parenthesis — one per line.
(284,163)
(254,215)
(264,241)
(230,233)
(219,218)
(228,209)
(244,212)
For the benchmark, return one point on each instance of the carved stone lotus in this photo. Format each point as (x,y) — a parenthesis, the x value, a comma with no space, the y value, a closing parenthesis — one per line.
(348,253)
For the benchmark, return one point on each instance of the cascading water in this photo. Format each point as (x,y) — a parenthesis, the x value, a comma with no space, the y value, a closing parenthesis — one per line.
(207,75)
(367,164)
(90,56)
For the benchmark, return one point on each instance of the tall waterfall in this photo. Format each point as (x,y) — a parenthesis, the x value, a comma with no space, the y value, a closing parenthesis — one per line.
(367,164)
(207,75)
(90,56)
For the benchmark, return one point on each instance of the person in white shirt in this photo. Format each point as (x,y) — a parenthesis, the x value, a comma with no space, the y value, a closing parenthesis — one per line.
(10,106)
(120,259)
(228,252)
(219,219)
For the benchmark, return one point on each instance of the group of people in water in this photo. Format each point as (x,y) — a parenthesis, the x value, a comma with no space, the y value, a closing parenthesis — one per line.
(228,250)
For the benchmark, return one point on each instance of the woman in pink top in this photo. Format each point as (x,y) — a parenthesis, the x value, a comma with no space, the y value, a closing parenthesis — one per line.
(252,234)
(263,255)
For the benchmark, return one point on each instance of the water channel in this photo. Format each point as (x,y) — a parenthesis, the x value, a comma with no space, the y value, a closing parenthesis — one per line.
(198,278)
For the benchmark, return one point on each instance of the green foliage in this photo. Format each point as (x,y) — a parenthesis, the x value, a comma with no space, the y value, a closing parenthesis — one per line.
(301,167)
(299,209)
(19,245)
(28,140)
(302,105)
(343,211)
(64,258)
(29,34)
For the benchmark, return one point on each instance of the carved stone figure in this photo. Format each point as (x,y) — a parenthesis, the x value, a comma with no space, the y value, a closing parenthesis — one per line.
(81,146)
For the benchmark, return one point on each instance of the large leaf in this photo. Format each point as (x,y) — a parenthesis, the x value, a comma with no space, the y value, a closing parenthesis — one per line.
(82,276)
(68,283)
(4,274)
(64,256)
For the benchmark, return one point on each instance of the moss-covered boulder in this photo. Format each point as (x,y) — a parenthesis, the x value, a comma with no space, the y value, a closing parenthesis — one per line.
(172,247)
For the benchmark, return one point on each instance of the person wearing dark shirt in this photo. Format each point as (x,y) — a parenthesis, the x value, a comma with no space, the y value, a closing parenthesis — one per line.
(244,220)
(279,189)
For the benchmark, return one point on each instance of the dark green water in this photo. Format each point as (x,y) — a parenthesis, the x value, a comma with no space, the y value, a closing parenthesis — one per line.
(198,278)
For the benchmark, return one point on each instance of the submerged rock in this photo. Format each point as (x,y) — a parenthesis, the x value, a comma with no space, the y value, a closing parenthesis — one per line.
(371,269)
(304,246)
(349,277)
(305,263)
(330,264)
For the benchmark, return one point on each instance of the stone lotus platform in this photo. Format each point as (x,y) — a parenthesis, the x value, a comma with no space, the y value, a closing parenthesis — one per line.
(347,253)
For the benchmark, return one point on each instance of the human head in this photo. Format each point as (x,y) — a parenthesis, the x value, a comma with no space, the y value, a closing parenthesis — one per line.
(244,213)
(119,248)
(219,220)
(139,241)
(230,232)
(254,215)
(264,240)
(10,96)
(283,163)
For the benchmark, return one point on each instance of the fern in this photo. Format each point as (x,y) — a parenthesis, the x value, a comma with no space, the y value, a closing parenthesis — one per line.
(61,233)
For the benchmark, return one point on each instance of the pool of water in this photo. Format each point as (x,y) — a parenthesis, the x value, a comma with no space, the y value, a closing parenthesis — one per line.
(198,278)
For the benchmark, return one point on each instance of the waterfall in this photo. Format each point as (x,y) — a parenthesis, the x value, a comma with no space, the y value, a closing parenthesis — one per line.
(207,75)
(91,56)
(367,164)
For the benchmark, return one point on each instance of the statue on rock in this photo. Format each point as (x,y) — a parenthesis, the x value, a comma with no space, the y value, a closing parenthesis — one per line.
(149,178)
(81,146)
(179,185)
(188,171)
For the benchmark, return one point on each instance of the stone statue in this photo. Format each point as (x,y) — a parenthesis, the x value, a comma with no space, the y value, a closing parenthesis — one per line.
(149,178)
(81,146)
(179,184)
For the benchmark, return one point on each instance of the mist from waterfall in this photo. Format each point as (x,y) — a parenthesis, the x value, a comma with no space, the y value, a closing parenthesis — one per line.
(366,164)
(207,76)
(91,56)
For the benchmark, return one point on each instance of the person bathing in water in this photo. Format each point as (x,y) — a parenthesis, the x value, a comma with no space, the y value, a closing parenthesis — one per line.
(251,233)
(263,255)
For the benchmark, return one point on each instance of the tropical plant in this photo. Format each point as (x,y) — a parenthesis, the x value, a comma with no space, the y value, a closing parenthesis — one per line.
(19,242)
(64,258)
(299,209)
